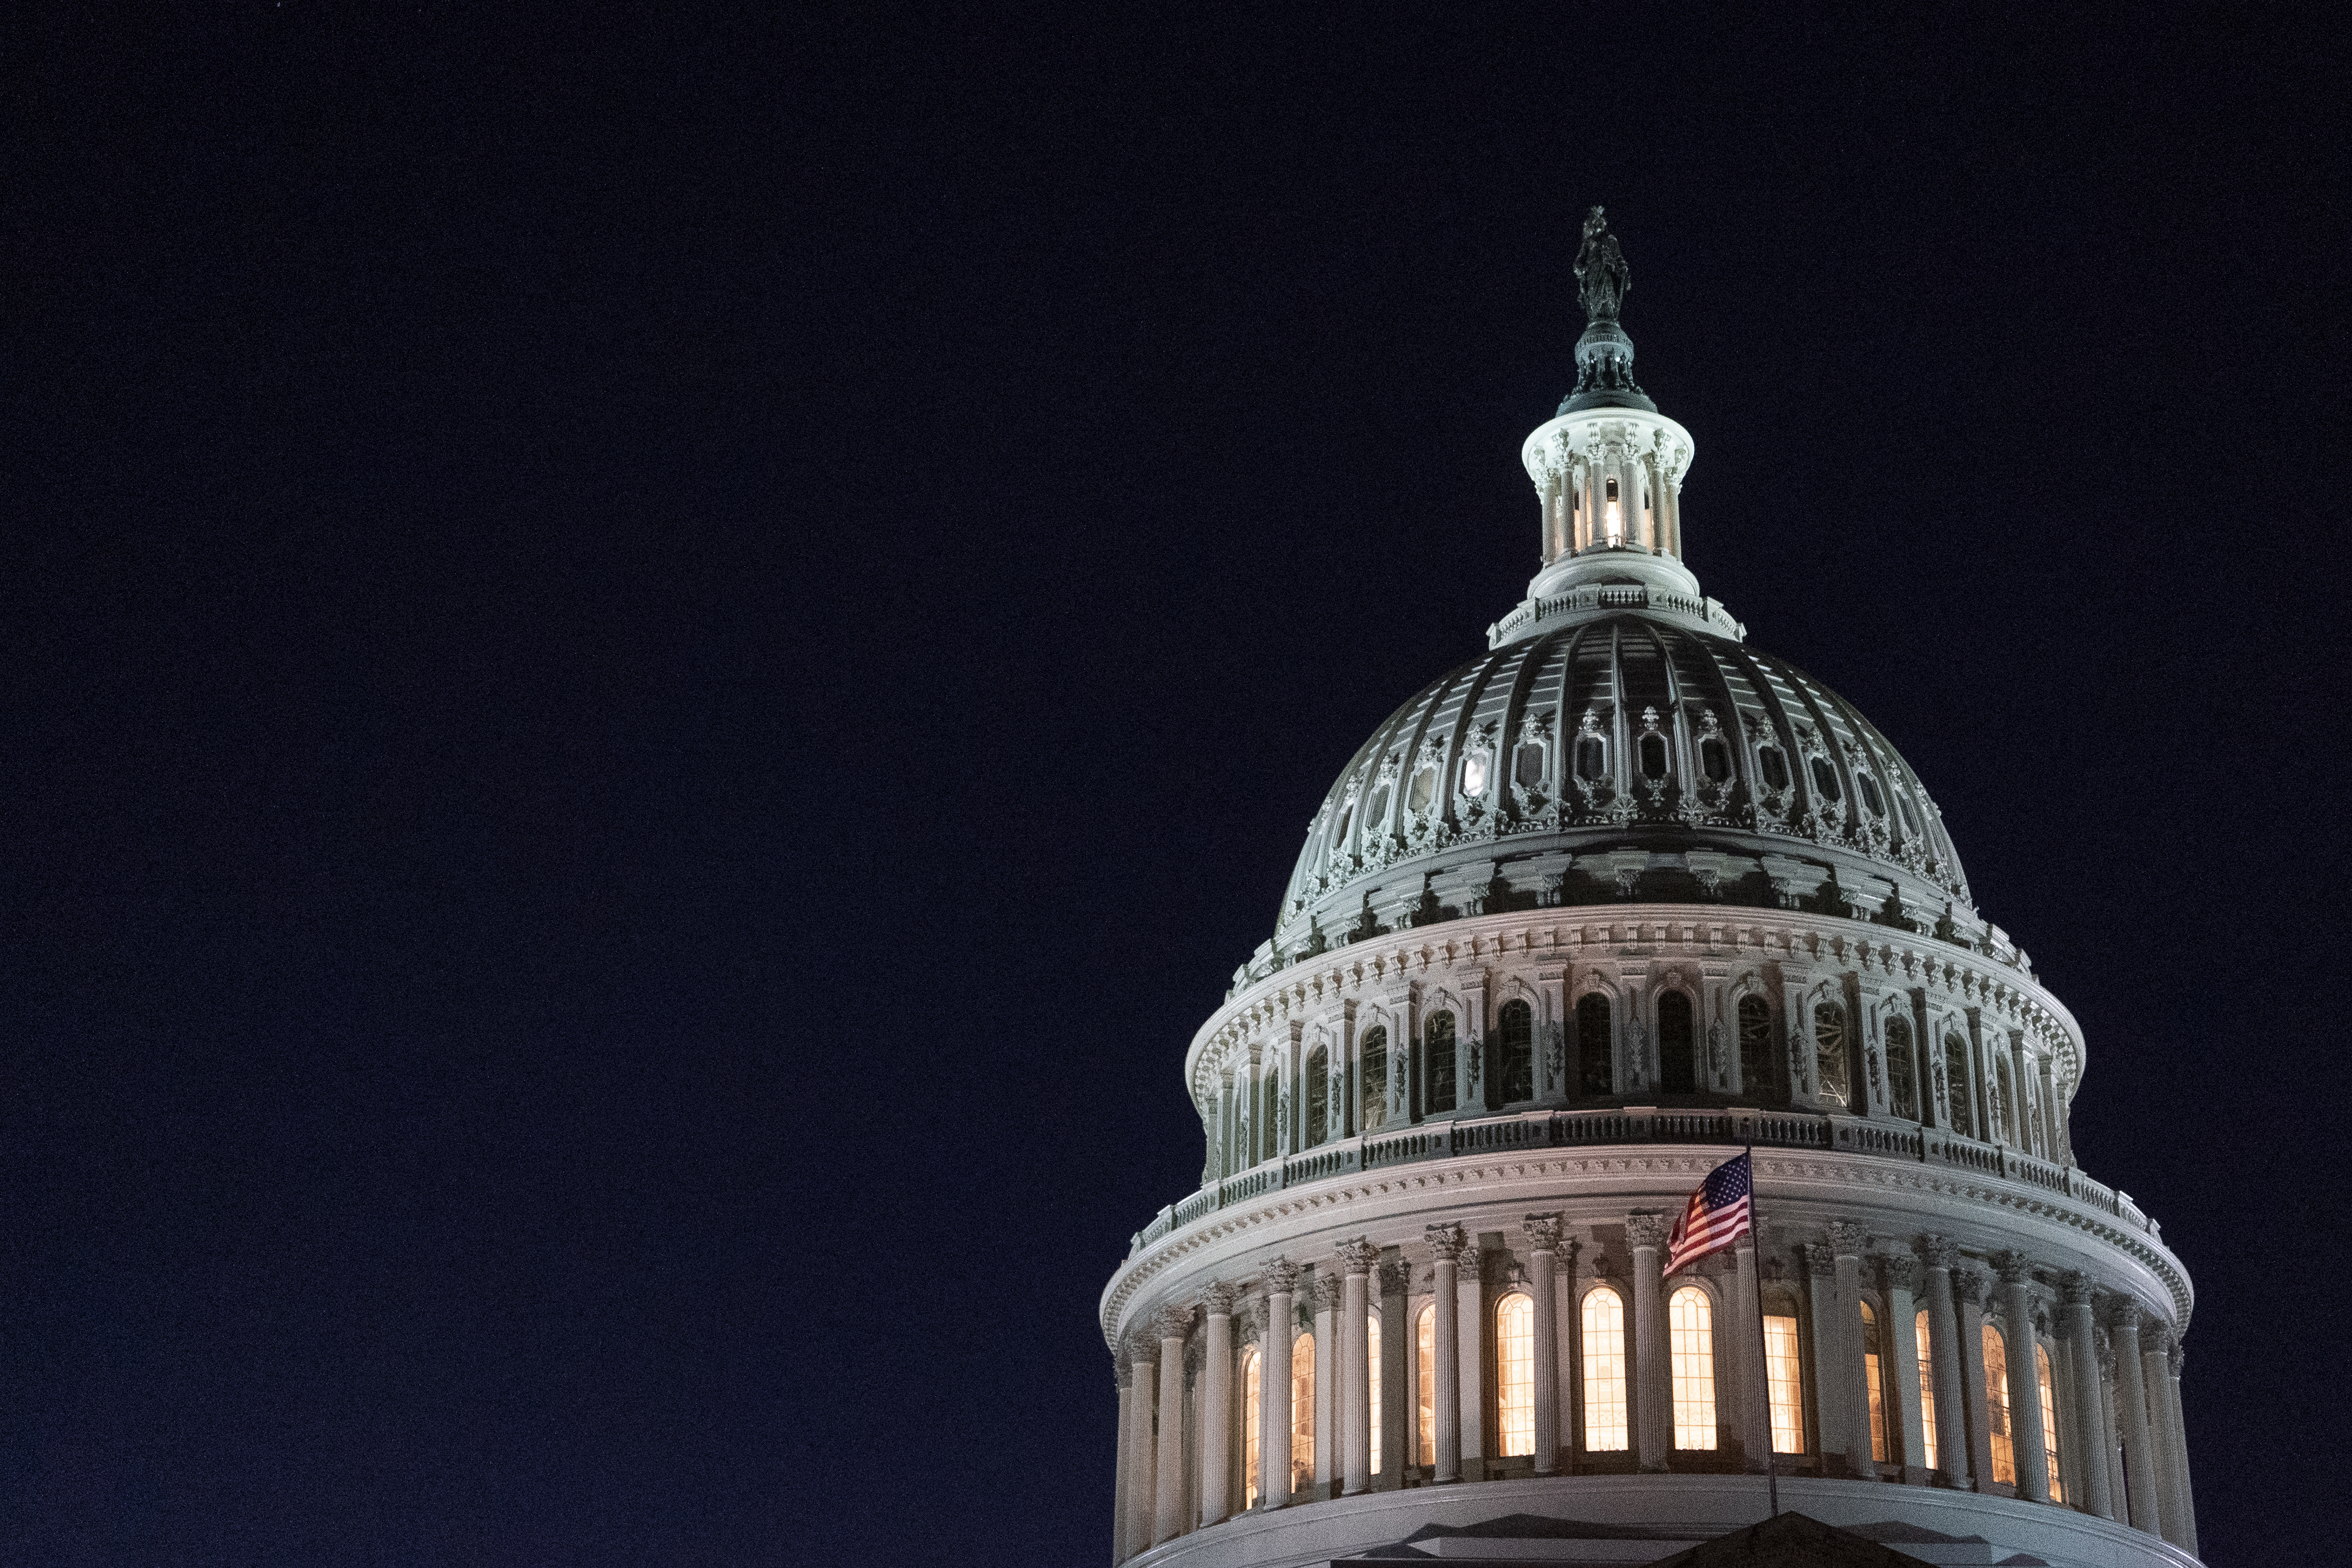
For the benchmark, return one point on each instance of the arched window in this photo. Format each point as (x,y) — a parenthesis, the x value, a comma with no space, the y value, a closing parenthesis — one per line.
(1437,1037)
(1773,764)
(1528,770)
(1605,1426)
(2049,1421)
(1425,1345)
(1251,1417)
(1677,1044)
(1715,760)
(1784,1383)
(1874,1371)
(1515,1373)
(1826,782)
(1593,1075)
(1318,1096)
(1902,1078)
(1963,1098)
(1926,1389)
(1302,1413)
(1829,1054)
(1653,757)
(1374,1050)
(1754,1047)
(1996,1374)
(1592,758)
(1515,1035)
(1373,1365)
(1691,1321)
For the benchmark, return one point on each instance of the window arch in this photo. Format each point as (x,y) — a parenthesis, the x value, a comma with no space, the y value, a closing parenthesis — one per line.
(1691,1321)
(1318,1096)
(1830,1053)
(1606,1429)
(1755,1046)
(1515,1373)
(1515,1034)
(1922,1338)
(1302,1413)
(2049,1420)
(1677,1044)
(1902,1076)
(1373,1049)
(1873,1370)
(1437,1037)
(1784,1380)
(1251,1418)
(1593,1073)
(1424,1345)
(1996,1375)
(1963,1097)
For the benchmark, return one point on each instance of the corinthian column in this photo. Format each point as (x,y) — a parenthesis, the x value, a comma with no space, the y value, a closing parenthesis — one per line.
(1943,1353)
(1274,1384)
(1832,1400)
(1898,1365)
(2156,1366)
(2074,1294)
(1355,1366)
(2187,1541)
(1846,1242)
(1119,1552)
(1543,1255)
(1142,1468)
(1653,1377)
(1173,1324)
(1217,1404)
(1968,1295)
(2026,1440)
(1446,1241)
(2131,1416)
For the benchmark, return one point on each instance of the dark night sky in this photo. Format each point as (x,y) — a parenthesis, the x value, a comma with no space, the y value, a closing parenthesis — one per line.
(656,664)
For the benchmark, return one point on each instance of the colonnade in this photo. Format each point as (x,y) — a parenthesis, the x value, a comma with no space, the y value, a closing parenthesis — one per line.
(1848,1394)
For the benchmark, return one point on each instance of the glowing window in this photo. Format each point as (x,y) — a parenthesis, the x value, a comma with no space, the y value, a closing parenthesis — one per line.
(1424,788)
(2049,1421)
(1926,1390)
(1715,760)
(1874,1368)
(1605,1428)
(1690,1317)
(1424,1335)
(1318,1096)
(1380,811)
(1825,779)
(1996,1374)
(1592,1071)
(1374,1050)
(1829,1052)
(1784,1384)
(1373,1365)
(1592,758)
(1474,774)
(1251,1416)
(1515,1037)
(1515,1373)
(1773,764)
(1654,758)
(1902,1082)
(1530,765)
(1956,1062)
(1438,1039)
(1677,1044)
(1755,1046)
(1302,1413)
(1871,799)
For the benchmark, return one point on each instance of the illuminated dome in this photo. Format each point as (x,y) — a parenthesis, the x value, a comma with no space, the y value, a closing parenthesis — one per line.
(1582,920)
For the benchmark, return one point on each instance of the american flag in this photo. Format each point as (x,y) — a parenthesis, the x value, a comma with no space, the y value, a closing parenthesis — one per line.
(1720,1212)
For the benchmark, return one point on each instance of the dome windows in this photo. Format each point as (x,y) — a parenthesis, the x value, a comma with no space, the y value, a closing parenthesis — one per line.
(1654,758)
(1515,1035)
(1527,772)
(1755,1045)
(1690,1317)
(1872,799)
(1593,1075)
(1592,758)
(1902,1082)
(1826,782)
(1606,1427)
(1829,1055)
(1437,1043)
(1963,1097)
(1773,764)
(1515,1373)
(1910,817)
(1318,1096)
(1677,1054)
(1715,760)
(1374,1051)
(1475,768)
(1423,789)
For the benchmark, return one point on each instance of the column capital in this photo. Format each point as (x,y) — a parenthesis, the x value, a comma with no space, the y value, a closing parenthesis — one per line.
(1902,1270)
(1847,1239)
(1820,1259)
(1217,1298)
(1396,1276)
(2012,1267)
(1542,1231)
(1142,1350)
(1969,1285)
(1120,1372)
(1327,1288)
(2177,1359)
(1446,1241)
(1173,1321)
(1282,1276)
(1941,1251)
(1648,1231)
(2074,1288)
(1359,1256)
(2124,1315)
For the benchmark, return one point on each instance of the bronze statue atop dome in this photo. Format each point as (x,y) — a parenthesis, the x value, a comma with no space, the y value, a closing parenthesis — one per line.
(1601,276)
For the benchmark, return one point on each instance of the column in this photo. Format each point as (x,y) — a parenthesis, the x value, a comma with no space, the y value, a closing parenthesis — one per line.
(1398,1349)
(1355,1366)
(1653,1386)
(2111,1431)
(1470,1358)
(1142,1373)
(1566,1347)
(1944,1352)
(1832,1405)
(1446,1241)
(1121,1375)
(1173,1324)
(1274,1384)
(1543,1258)
(1326,1381)
(2156,1364)
(1754,1394)
(1846,1242)
(2026,1438)
(2188,1538)
(1898,1367)
(2131,1417)
(2075,1295)
(1217,1404)
(1968,1298)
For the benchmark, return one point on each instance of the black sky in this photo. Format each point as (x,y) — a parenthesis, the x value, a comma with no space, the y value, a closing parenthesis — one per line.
(657,660)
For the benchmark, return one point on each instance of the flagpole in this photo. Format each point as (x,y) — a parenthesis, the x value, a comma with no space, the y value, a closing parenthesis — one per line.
(1763,1345)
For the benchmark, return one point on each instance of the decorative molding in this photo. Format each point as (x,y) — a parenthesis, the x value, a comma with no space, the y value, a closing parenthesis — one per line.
(1446,1241)
(1217,1298)
(1941,1251)
(1173,1321)
(1648,1231)
(1902,1272)
(1357,1256)
(2012,1267)
(1282,1277)
(1542,1232)
(1820,1260)
(2074,1288)
(1848,1239)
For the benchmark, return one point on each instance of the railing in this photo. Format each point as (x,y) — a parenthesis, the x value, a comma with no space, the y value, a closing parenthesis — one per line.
(1641,1123)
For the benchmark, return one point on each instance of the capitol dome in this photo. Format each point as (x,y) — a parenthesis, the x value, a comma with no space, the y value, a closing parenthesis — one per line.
(1620,910)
